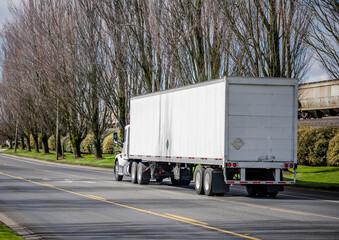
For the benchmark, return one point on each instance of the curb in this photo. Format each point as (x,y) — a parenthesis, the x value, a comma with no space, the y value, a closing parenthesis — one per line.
(16,228)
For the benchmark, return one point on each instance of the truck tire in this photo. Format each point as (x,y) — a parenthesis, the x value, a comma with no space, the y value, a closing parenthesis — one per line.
(208,178)
(175,182)
(134,169)
(116,170)
(251,190)
(141,175)
(199,180)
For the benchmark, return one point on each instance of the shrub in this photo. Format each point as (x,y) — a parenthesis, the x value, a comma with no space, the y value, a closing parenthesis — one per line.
(107,145)
(306,138)
(333,151)
(4,145)
(31,140)
(66,143)
(87,144)
(51,143)
(318,154)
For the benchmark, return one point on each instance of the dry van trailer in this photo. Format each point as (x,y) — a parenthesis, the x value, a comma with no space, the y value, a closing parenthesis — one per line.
(236,130)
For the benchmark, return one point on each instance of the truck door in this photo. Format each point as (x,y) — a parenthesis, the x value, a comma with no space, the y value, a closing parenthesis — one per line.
(126,142)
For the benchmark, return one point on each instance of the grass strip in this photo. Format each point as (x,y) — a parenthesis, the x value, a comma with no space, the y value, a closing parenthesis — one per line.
(86,160)
(326,178)
(7,234)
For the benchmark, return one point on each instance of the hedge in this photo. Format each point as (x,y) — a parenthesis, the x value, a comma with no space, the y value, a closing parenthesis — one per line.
(314,146)
(333,151)
(108,146)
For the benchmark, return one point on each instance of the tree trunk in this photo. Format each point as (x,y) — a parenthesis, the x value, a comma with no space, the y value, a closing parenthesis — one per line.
(97,148)
(76,142)
(10,143)
(59,146)
(28,143)
(22,143)
(36,143)
(44,141)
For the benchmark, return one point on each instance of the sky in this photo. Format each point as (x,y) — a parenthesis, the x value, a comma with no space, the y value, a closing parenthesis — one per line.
(315,73)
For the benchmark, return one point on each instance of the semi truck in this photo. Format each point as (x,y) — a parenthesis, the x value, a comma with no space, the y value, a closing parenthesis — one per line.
(223,132)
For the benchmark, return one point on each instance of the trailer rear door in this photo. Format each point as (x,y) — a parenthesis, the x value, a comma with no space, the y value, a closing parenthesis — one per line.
(261,120)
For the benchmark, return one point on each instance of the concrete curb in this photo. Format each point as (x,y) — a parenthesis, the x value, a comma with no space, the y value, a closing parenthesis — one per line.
(15,227)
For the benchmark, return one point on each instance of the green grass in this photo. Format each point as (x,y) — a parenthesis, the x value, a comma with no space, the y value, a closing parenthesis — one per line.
(326,178)
(86,160)
(6,234)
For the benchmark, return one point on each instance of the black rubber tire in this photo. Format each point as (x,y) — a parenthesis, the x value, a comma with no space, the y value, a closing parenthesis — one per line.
(251,190)
(174,181)
(262,190)
(142,179)
(273,194)
(116,169)
(159,180)
(199,180)
(134,169)
(208,178)
(184,182)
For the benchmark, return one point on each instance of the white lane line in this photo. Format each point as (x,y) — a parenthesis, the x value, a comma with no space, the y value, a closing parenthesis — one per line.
(56,164)
(309,198)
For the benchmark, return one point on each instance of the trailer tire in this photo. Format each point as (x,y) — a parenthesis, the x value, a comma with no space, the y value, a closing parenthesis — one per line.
(262,190)
(273,194)
(251,190)
(116,170)
(184,182)
(199,180)
(141,175)
(134,169)
(208,178)
(174,181)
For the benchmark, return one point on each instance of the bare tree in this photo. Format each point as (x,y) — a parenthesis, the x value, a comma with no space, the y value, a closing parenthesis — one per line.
(324,38)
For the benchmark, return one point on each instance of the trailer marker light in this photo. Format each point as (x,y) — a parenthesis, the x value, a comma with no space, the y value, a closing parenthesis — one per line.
(286,165)
(291,165)
(160,172)
(229,164)
(234,164)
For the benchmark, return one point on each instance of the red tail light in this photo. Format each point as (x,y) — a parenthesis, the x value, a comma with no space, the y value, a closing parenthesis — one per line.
(286,165)
(291,165)
(229,164)
(234,164)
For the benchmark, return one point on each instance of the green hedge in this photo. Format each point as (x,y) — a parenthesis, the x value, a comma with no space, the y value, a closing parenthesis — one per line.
(333,151)
(314,148)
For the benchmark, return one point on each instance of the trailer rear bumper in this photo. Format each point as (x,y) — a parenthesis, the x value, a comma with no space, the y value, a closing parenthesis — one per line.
(262,182)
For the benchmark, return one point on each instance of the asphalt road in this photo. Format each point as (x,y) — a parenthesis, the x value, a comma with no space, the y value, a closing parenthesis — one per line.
(56,201)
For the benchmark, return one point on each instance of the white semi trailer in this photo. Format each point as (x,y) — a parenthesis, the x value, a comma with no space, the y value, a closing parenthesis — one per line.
(227,131)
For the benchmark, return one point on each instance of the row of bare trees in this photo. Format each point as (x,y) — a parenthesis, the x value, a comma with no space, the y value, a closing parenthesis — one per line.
(76,62)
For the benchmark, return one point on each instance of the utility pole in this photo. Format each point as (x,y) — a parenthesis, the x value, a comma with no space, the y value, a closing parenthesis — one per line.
(57,132)
(16,136)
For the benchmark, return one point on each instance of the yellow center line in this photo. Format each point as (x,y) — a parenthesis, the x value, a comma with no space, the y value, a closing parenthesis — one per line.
(176,218)
(185,194)
(187,219)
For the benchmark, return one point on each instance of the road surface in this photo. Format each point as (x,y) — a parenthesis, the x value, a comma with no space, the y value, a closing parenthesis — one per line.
(54,201)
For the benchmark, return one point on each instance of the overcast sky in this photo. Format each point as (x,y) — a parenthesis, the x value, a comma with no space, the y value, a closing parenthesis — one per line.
(316,72)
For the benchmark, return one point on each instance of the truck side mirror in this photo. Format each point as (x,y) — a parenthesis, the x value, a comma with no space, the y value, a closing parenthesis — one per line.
(115,137)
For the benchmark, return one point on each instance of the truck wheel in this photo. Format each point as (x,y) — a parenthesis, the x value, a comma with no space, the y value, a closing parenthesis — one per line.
(116,170)
(174,181)
(251,190)
(273,194)
(199,180)
(184,182)
(134,168)
(141,175)
(262,190)
(208,182)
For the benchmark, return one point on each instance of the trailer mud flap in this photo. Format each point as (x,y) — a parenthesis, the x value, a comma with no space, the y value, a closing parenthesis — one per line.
(218,183)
